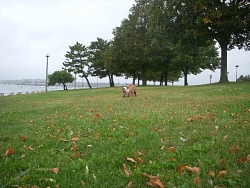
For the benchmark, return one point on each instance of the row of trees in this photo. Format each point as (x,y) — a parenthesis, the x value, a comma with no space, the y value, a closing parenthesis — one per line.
(163,40)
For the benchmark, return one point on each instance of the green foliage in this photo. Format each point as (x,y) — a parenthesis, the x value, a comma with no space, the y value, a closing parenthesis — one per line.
(60,77)
(243,78)
(87,135)
(102,60)
(227,22)
(77,61)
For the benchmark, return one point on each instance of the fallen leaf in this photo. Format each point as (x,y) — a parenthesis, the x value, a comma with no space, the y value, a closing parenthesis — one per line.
(10,151)
(223,161)
(131,160)
(235,149)
(126,171)
(211,173)
(225,137)
(197,180)
(153,181)
(82,183)
(130,184)
(28,148)
(172,159)
(162,148)
(74,147)
(54,170)
(23,138)
(193,169)
(172,149)
(75,155)
(216,128)
(96,117)
(248,157)
(75,138)
(222,173)
(183,139)
(181,168)
(241,160)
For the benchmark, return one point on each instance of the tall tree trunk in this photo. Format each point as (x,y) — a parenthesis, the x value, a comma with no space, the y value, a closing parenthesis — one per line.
(143,75)
(185,75)
(223,69)
(166,78)
(64,86)
(161,79)
(134,75)
(111,80)
(87,80)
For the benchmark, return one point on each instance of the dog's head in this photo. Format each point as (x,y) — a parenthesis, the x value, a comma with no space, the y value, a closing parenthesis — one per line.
(124,89)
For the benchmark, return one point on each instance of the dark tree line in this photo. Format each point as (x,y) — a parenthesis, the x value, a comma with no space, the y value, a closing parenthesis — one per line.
(163,40)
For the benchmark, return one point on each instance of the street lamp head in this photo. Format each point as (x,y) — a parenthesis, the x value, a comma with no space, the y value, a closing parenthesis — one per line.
(47,55)
(236,66)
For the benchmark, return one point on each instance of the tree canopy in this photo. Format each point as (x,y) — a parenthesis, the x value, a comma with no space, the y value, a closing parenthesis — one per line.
(77,61)
(60,77)
(162,40)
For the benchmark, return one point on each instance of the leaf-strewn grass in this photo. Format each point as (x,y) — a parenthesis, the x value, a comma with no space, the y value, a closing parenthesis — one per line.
(87,135)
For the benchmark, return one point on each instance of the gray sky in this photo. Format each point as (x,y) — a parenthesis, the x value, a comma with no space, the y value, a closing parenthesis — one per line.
(30,29)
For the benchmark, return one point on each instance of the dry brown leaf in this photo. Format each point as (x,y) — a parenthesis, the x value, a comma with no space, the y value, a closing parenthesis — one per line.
(222,173)
(196,170)
(82,183)
(181,168)
(248,157)
(223,161)
(10,151)
(28,148)
(235,149)
(193,169)
(153,181)
(131,160)
(172,149)
(225,137)
(130,184)
(75,155)
(197,180)
(211,173)
(76,138)
(172,159)
(23,138)
(74,147)
(126,171)
(54,170)
(96,117)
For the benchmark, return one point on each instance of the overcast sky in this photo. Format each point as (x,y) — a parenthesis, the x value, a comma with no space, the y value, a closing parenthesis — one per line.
(30,29)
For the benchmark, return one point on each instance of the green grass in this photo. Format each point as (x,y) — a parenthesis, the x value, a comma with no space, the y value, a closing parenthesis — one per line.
(213,119)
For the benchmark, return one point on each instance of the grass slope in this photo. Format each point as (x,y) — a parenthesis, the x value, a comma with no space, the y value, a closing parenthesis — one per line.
(82,138)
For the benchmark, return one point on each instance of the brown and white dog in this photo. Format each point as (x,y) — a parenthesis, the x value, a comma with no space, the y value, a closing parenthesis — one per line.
(129,90)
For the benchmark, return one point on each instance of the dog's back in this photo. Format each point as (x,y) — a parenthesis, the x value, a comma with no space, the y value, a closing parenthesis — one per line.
(132,89)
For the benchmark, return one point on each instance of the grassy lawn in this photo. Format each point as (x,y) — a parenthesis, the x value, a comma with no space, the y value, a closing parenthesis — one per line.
(195,136)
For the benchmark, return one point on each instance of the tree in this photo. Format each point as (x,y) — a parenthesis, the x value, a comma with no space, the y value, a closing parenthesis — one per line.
(77,61)
(244,79)
(60,77)
(226,21)
(101,58)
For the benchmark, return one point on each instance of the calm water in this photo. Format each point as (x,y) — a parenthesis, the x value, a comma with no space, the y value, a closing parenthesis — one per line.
(6,89)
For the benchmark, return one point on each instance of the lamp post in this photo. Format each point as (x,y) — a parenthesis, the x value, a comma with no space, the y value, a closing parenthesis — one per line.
(210,78)
(236,66)
(46,87)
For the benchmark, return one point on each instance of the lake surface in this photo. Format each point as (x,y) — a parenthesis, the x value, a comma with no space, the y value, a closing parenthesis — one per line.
(6,89)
